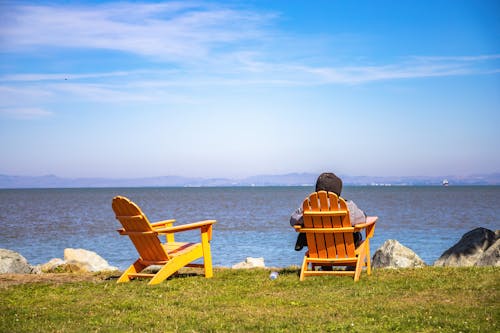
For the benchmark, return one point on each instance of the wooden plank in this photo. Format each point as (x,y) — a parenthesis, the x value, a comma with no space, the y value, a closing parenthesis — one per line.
(138,233)
(185,227)
(317,222)
(308,223)
(349,236)
(333,261)
(327,223)
(338,236)
(326,230)
(341,273)
(328,213)
(141,275)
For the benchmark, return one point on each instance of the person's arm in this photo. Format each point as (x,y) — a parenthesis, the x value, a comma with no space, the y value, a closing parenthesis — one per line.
(356,215)
(297,217)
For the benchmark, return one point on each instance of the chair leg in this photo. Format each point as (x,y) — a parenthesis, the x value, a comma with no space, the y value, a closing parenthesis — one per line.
(360,262)
(207,255)
(303,269)
(136,267)
(172,266)
(359,268)
(368,258)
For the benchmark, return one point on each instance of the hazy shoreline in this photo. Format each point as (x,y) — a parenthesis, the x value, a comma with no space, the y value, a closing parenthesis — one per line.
(292,179)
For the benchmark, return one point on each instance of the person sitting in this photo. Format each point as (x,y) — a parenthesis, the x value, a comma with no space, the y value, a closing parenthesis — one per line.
(329,182)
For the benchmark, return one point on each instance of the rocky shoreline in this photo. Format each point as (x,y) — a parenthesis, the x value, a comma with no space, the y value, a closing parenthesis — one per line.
(478,247)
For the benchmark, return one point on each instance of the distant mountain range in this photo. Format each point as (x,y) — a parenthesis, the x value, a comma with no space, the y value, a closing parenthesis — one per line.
(292,179)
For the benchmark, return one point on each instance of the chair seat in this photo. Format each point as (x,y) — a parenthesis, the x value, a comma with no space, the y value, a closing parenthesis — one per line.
(175,249)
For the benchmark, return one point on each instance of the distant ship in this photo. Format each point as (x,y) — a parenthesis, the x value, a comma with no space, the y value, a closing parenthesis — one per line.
(445,182)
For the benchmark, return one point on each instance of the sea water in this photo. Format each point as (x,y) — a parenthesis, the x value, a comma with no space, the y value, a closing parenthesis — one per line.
(251,221)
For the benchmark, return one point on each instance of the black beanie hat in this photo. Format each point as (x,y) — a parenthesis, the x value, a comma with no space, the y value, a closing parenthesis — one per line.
(328,181)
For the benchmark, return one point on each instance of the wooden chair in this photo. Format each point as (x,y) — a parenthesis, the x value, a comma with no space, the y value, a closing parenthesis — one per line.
(172,255)
(330,237)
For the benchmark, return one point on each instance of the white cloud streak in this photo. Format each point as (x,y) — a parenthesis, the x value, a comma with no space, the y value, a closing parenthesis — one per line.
(171,31)
(25,113)
(61,76)
(262,73)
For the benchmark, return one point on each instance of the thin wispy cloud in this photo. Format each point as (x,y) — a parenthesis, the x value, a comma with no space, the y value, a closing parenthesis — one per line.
(25,113)
(62,76)
(172,31)
(260,72)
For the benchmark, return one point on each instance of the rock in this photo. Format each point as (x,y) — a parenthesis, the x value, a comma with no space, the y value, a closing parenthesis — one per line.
(250,263)
(13,263)
(85,261)
(53,265)
(490,257)
(394,255)
(77,260)
(152,269)
(470,249)
(36,269)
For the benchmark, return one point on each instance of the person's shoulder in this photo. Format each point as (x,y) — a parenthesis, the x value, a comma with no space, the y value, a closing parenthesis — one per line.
(351,204)
(355,213)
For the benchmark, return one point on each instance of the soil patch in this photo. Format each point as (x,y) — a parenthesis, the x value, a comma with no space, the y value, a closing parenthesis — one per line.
(7,280)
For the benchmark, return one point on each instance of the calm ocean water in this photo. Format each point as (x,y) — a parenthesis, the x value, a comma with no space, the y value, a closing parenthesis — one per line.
(252,221)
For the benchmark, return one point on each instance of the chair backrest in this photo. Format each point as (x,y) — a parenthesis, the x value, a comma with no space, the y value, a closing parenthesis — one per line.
(137,227)
(325,210)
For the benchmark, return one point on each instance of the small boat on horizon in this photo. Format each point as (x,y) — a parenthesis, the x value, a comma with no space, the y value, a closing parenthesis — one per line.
(445,182)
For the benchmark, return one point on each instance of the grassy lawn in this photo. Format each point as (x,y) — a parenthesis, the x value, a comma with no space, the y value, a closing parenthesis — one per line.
(420,300)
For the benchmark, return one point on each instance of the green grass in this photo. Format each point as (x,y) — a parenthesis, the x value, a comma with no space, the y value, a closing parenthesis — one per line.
(419,300)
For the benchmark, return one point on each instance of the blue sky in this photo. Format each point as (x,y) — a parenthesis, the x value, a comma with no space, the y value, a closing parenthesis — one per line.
(240,88)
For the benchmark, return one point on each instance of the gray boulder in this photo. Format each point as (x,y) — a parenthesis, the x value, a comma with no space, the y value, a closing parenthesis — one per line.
(53,265)
(81,260)
(13,263)
(77,261)
(250,263)
(472,249)
(490,257)
(394,255)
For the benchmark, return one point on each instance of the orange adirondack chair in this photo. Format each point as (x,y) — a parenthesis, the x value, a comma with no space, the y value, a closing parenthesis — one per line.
(330,238)
(172,255)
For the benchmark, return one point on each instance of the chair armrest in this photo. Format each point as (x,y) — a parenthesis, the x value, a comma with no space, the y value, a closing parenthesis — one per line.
(124,232)
(369,226)
(170,238)
(165,223)
(186,227)
(370,220)
(297,228)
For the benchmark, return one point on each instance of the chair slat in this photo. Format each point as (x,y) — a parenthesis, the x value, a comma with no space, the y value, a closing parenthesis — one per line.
(327,223)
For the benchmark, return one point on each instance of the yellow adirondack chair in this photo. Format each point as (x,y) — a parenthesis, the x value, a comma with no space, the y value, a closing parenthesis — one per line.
(172,255)
(330,238)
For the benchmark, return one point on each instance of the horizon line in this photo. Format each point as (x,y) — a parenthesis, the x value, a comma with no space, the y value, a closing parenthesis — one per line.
(462,175)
